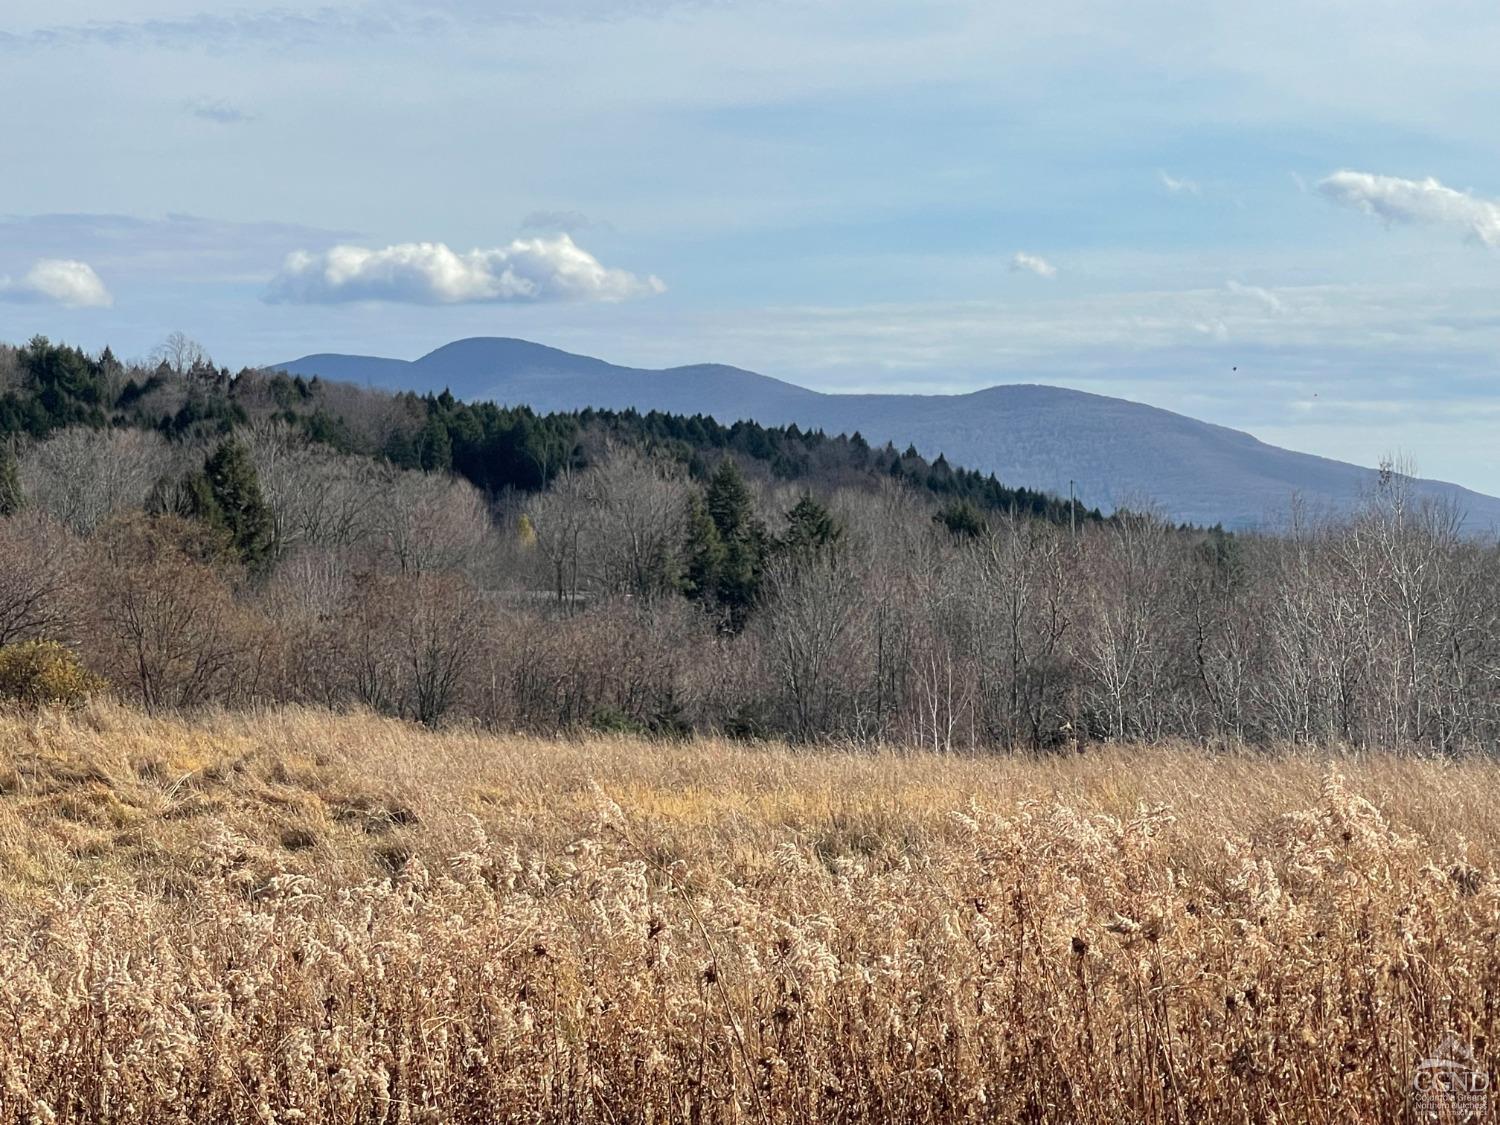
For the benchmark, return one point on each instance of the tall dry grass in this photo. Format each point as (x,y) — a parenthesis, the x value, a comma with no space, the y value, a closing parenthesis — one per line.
(306,917)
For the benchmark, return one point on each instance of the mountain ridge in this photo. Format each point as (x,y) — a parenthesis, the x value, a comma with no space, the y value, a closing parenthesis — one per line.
(1116,452)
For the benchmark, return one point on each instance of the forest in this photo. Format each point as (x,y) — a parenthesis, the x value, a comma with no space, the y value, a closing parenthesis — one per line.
(193,538)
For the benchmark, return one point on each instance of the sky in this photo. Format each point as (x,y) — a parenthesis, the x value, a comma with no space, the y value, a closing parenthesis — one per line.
(1282,217)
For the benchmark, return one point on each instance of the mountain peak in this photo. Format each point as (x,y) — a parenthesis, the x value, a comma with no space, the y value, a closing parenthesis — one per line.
(505,351)
(1113,451)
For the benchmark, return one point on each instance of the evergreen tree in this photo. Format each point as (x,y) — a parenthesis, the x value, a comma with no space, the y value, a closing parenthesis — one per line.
(401,450)
(728,499)
(1223,555)
(940,476)
(961,519)
(742,537)
(703,554)
(11,496)
(811,530)
(228,494)
(109,367)
(66,387)
(195,498)
(435,447)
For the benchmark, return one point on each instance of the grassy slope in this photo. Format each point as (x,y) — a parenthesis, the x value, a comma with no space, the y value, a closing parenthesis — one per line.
(349,919)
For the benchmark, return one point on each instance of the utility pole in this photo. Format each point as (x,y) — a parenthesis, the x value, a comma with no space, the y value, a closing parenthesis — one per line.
(1072,512)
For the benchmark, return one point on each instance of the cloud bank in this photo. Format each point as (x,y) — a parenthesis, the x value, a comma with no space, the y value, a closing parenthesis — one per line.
(429,273)
(58,281)
(1415,203)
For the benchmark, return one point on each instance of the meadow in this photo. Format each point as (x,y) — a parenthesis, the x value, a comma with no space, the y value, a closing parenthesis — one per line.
(302,916)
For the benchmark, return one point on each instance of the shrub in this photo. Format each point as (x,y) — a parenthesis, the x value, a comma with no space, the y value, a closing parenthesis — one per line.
(35,673)
(611,720)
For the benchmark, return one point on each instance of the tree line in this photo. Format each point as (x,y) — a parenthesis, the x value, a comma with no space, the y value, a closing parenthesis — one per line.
(46,387)
(206,539)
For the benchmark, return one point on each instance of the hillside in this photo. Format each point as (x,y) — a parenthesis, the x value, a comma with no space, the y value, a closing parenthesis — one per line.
(518,372)
(1118,452)
(45,387)
(205,539)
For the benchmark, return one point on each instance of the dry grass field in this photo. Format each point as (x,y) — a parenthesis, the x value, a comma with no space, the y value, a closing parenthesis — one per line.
(306,917)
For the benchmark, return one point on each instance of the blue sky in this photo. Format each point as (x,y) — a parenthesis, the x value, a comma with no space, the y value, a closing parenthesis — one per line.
(937,196)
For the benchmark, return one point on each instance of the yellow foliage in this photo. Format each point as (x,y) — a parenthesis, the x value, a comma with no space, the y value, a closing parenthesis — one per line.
(34,673)
(526,531)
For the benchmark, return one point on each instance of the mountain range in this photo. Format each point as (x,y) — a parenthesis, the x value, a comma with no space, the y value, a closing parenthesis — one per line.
(1113,451)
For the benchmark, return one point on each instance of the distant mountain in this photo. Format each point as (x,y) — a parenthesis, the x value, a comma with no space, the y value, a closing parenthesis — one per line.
(1117,452)
(516,372)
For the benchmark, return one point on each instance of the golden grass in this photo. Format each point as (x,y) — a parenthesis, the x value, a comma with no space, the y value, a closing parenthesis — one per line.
(299,916)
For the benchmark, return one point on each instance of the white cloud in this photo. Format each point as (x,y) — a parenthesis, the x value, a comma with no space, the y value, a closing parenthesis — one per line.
(1255,292)
(59,281)
(429,273)
(1179,187)
(1417,202)
(1032,263)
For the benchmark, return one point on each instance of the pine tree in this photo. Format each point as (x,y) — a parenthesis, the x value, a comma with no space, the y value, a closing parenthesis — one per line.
(743,540)
(436,447)
(739,577)
(11,496)
(961,519)
(703,554)
(66,387)
(811,530)
(228,494)
(728,500)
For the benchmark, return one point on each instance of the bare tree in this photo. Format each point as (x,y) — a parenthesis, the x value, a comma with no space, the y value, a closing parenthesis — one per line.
(1415,542)
(1022,582)
(428,522)
(180,353)
(637,531)
(83,477)
(168,624)
(318,498)
(38,578)
(942,635)
(1122,650)
(406,641)
(1216,597)
(443,623)
(810,615)
(561,518)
